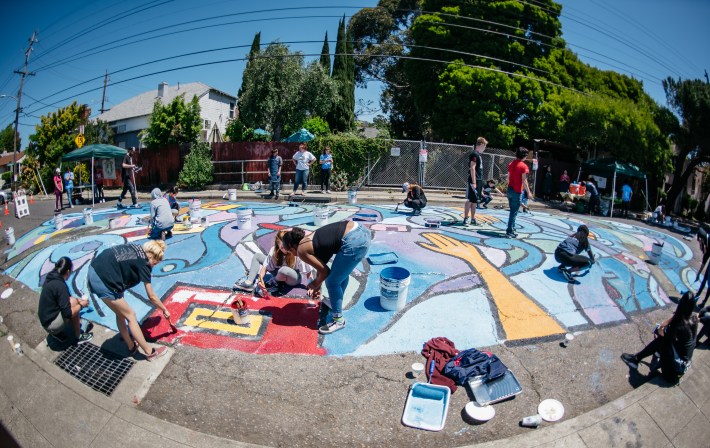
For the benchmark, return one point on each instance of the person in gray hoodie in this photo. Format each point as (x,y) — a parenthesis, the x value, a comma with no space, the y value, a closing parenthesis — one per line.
(161,217)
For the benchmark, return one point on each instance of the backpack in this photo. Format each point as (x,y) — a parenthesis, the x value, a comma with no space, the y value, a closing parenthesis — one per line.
(472,362)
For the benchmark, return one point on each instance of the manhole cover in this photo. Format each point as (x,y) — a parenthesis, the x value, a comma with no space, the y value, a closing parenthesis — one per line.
(100,370)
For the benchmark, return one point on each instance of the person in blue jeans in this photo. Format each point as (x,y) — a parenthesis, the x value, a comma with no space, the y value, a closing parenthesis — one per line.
(517,182)
(349,242)
(626,193)
(69,185)
(303,159)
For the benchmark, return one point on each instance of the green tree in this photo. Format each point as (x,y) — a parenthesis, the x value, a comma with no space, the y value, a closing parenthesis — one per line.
(342,115)
(98,132)
(253,52)
(55,134)
(690,99)
(316,126)
(7,139)
(325,54)
(237,131)
(175,123)
(198,169)
(280,93)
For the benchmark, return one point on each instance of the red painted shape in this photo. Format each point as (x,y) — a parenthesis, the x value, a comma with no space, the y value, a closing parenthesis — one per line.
(291,329)
(270,226)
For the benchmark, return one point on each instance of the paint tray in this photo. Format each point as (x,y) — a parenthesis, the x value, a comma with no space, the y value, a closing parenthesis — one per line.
(427,406)
(383,258)
(495,390)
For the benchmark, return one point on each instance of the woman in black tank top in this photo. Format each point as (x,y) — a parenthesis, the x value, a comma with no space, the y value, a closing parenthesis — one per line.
(349,242)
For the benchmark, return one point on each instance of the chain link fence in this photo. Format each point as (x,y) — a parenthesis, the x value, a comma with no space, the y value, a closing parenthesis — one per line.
(435,165)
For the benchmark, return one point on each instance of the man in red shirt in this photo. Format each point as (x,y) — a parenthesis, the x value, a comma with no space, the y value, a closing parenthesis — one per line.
(517,181)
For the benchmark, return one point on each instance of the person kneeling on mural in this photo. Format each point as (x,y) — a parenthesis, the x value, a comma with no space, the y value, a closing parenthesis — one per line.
(568,253)
(119,268)
(57,307)
(416,199)
(275,273)
(349,242)
(161,218)
(674,341)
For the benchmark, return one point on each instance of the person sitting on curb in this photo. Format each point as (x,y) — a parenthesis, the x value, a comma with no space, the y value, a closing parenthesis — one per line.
(161,218)
(568,253)
(57,308)
(277,269)
(674,341)
(416,199)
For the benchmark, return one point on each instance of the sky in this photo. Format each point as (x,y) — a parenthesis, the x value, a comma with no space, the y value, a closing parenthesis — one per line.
(79,41)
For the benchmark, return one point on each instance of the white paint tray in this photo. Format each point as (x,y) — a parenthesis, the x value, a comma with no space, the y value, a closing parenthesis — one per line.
(427,406)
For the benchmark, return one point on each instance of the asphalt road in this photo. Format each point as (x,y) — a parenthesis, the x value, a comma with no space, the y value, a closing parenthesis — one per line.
(285,400)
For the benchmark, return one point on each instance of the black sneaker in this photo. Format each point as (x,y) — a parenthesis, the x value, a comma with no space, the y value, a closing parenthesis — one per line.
(474,222)
(630,360)
(84,338)
(568,275)
(332,327)
(511,234)
(464,222)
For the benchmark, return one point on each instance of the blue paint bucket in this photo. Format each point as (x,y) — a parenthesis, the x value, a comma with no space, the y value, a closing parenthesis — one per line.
(394,285)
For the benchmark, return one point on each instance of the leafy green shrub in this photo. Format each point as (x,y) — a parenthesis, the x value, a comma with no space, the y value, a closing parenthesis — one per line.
(350,156)
(198,168)
(339,181)
(317,126)
(237,131)
(82,175)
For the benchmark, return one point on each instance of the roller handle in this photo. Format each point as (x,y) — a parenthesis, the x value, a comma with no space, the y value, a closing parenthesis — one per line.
(431,369)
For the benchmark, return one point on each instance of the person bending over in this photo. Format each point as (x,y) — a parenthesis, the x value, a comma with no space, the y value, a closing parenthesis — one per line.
(161,217)
(416,199)
(568,253)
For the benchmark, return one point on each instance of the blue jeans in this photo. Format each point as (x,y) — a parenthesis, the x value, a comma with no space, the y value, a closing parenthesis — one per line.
(70,191)
(355,246)
(275,184)
(514,204)
(301,179)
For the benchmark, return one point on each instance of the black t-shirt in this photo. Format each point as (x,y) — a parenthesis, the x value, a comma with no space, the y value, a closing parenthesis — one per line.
(475,156)
(122,267)
(126,172)
(328,239)
(53,299)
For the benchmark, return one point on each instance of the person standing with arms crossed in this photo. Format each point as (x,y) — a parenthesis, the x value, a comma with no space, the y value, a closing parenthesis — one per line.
(69,186)
(127,168)
(517,182)
(475,180)
(304,159)
(326,166)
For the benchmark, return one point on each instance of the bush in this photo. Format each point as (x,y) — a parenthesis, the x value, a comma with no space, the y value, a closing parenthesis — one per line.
(198,169)
(317,126)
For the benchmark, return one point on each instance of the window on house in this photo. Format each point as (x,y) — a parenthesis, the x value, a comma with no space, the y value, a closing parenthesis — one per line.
(208,124)
(231,110)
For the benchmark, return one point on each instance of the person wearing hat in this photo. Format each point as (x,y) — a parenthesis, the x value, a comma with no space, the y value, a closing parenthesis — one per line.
(127,168)
(273,169)
(568,253)
(416,199)
(69,185)
(58,190)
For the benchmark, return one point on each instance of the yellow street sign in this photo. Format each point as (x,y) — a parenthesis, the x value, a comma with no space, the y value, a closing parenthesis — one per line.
(79,140)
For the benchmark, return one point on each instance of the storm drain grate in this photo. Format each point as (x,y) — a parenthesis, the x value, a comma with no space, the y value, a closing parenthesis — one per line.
(100,370)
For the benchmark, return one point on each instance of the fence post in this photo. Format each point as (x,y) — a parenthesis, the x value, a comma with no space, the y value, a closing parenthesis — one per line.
(368,170)
(242,170)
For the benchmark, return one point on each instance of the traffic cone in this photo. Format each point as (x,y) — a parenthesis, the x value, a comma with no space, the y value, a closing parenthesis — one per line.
(32,199)
(7,212)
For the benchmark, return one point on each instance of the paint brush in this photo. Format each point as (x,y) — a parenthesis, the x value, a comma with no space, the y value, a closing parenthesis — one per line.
(172,326)
(396,208)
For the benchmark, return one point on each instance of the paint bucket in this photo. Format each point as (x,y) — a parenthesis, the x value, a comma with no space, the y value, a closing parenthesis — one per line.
(88,216)
(195,206)
(394,284)
(656,251)
(58,221)
(320,216)
(240,314)
(244,218)
(232,192)
(352,196)
(433,223)
(582,190)
(10,235)
(574,189)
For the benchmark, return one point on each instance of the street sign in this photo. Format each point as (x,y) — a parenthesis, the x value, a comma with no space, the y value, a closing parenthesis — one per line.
(79,140)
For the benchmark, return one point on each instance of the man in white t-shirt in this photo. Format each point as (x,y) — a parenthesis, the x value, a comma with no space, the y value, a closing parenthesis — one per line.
(304,159)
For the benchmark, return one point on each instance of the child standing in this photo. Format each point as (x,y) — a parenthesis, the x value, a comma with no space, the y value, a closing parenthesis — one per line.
(326,165)
(273,169)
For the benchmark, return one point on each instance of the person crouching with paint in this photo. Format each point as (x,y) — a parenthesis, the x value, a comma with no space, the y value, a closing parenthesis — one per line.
(416,199)
(349,242)
(118,269)
(272,274)
(161,217)
(568,253)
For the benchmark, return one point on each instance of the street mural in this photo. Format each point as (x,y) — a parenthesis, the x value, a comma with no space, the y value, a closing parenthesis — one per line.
(468,283)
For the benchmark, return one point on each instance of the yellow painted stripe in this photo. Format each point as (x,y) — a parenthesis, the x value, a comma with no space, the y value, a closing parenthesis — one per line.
(520,317)
(201,317)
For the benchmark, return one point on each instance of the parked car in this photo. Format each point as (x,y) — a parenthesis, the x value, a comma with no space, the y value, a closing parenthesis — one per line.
(5,193)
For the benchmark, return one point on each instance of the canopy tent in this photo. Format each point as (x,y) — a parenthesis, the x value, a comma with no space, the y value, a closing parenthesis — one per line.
(96,151)
(609,167)
(301,136)
(259,131)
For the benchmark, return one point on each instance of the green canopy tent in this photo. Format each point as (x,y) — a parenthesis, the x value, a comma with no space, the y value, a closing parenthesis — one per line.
(301,136)
(609,167)
(91,152)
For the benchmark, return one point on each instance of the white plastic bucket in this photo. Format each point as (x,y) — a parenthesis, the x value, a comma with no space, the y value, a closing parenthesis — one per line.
(394,285)
(657,249)
(10,235)
(352,197)
(58,221)
(244,218)
(88,216)
(195,206)
(320,216)
(232,192)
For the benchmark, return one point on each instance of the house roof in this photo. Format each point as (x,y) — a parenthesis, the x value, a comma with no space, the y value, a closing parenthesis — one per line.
(142,104)
(7,159)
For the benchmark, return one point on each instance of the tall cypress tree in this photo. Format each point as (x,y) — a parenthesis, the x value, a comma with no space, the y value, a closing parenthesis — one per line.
(253,52)
(325,55)
(342,116)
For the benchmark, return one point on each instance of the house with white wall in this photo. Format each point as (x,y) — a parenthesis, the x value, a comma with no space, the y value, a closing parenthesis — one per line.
(131,116)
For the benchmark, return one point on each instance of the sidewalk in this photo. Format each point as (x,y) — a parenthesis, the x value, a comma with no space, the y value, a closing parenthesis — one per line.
(41,406)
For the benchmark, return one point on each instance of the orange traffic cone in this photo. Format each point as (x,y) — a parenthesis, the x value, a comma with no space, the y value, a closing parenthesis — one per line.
(32,199)
(7,212)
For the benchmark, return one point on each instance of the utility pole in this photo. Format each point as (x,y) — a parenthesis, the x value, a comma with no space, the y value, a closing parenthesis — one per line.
(24,73)
(103,97)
